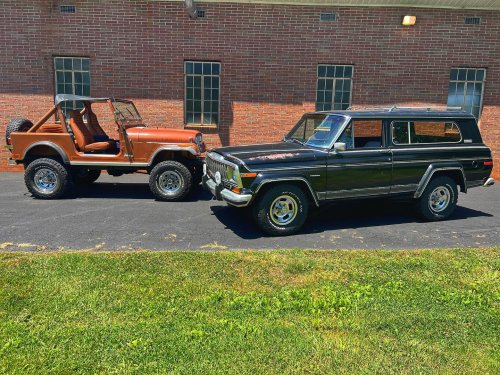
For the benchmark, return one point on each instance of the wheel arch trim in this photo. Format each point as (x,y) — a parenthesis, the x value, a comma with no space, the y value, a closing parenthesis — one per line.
(52,145)
(287,179)
(432,169)
(191,150)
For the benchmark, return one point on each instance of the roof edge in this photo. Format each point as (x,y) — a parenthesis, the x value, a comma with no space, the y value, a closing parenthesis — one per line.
(326,3)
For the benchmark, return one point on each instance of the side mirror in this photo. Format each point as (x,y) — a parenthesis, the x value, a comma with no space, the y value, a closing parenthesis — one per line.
(339,146)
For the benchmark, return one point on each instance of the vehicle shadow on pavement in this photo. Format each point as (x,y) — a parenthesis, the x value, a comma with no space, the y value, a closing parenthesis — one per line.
(337,216)
(110,190)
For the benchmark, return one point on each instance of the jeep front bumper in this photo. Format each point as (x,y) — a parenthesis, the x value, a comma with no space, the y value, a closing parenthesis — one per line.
(223,194)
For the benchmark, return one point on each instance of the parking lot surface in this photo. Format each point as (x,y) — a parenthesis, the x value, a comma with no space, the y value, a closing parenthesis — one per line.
(121,214)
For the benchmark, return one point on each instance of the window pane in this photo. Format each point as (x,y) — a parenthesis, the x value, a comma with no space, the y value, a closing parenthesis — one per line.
(348,72)
(198,68)
(189,68)
(454,74)
(197,93)
(321,84)
(207,68)
(339,71)
(86,64)
(77,64)
(330,71)
(59,63)
(197,118)
(215,69)
(480,75)
(367,133)
(462,74)
(68,64)
(471,74)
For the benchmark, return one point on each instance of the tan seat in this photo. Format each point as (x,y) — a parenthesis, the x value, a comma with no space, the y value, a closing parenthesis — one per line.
(83,138)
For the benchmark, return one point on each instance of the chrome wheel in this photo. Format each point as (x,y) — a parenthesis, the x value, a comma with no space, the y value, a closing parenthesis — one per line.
(46,180)
(283,210)
(439,199)
(170,182)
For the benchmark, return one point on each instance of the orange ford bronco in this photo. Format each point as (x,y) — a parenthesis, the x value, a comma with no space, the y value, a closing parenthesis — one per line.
(75,149)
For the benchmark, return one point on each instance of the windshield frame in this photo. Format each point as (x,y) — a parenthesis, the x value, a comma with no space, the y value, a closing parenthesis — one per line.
(120,117)
(347,120)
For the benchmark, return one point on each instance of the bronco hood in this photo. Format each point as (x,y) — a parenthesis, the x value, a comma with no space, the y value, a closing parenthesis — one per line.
(162,135)
(265,155)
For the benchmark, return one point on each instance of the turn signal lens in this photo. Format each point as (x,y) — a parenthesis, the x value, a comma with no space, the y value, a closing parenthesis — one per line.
(247,175)
(488,163)
(236,190)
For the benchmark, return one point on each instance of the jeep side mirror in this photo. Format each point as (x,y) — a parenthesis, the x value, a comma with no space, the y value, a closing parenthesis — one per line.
(339,146)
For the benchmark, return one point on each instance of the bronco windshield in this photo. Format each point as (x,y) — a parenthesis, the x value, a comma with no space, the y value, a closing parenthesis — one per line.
(126,113)
(317,130)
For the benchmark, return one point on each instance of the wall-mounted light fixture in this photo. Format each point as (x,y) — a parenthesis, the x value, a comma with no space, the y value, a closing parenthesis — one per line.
(409,20)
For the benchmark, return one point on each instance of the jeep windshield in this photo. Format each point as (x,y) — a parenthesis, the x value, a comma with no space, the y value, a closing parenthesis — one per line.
(126,113)
(317,130)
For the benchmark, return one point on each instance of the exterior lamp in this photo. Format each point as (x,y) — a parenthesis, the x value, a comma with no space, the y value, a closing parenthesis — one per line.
(409,20)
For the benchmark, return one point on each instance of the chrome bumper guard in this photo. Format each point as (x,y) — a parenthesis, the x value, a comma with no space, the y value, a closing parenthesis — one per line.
(490,181)
(221,193)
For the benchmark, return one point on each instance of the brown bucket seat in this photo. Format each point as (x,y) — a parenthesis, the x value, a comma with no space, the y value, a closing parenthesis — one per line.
(83,137)
(94,126)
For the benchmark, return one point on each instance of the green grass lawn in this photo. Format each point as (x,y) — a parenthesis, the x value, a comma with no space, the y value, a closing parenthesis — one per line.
(251,312)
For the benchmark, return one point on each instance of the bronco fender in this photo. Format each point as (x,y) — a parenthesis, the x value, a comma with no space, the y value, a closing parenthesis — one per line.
(51,145)
(264,179)
(438,167)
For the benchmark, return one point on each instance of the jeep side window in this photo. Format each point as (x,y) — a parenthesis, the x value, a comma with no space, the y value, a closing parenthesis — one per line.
(424,132)
(362,134)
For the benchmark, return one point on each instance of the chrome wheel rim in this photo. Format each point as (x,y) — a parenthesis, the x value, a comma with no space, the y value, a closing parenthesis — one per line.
(46,180)
(439,199)
(170,182)
(283,210)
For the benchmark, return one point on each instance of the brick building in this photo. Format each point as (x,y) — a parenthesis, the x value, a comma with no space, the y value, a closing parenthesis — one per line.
(245,71)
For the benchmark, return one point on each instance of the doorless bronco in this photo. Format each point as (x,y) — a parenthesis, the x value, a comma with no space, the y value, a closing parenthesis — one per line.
(74,149)
(425,154)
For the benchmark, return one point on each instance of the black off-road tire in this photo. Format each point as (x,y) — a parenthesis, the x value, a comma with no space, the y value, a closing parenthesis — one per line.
(17,124)
(262,210)
(63,181)
(440,187)
(84,176)
(173,171)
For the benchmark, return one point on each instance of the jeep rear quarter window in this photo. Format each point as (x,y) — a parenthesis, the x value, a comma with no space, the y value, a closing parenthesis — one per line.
(424,132)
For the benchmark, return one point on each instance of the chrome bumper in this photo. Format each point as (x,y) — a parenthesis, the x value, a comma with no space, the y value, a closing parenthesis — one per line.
(221,193)
(490,181)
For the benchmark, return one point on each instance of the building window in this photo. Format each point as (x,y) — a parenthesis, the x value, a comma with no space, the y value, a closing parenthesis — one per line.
(466,89)
(72,75)
(334,87)
(202,82)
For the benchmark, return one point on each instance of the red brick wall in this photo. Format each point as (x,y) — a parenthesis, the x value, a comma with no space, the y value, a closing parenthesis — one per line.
(269,56)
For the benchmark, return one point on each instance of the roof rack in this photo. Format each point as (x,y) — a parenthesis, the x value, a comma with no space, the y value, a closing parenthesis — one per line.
(407,108)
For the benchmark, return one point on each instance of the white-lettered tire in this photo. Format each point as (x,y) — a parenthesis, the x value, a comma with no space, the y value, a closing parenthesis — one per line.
(439,199)
(170,181)
(47,178)
(281,210)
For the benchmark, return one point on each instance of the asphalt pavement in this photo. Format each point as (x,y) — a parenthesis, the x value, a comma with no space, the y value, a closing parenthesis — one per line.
(121,214)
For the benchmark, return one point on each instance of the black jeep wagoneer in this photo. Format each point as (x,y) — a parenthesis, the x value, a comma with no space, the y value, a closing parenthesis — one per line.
(423,153)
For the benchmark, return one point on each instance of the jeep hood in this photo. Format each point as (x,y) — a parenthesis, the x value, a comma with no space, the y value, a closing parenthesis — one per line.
(269,154)
(162,135)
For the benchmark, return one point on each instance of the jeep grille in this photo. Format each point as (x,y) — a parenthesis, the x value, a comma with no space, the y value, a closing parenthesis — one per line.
(214,166)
